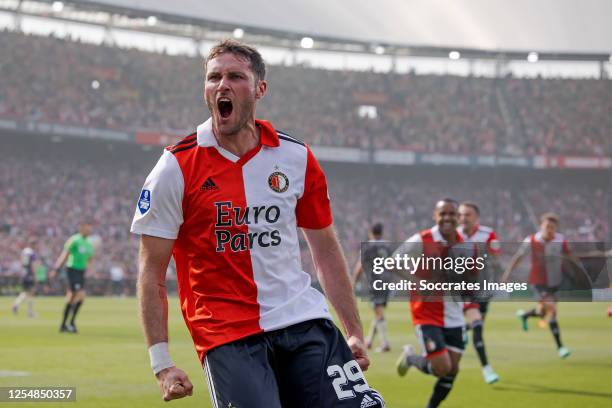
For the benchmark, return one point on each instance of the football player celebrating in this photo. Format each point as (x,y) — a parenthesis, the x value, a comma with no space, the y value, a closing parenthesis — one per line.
(475,312)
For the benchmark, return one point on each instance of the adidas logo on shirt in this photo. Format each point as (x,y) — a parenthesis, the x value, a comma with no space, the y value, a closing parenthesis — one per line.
(368,402)
(209,185)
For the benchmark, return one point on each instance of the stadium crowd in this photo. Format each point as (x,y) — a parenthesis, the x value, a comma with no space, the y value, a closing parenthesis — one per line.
(60,81)
(47,188)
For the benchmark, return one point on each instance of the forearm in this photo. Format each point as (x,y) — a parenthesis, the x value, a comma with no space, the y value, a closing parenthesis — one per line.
(516,259)
(153,308)
(356,273)
(332,271)
(153,261)
(61,260)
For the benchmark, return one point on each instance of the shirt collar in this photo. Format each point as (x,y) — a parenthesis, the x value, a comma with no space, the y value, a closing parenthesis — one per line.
(437,235)
(267,135)
(540,238)
(474,231)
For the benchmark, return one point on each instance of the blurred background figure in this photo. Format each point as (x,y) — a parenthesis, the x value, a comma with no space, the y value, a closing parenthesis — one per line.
(30,264)
(77,254)
(375,248)
(117,275)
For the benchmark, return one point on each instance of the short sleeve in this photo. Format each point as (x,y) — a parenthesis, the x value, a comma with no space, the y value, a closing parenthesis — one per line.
(68,244)
(413,246)
(159,210)
(313,209)
(493,245)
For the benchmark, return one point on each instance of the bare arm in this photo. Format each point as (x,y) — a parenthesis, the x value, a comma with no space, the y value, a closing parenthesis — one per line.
(61,260)
(514,262)
(357,270)
(332,271)
(153,260)
(412,247)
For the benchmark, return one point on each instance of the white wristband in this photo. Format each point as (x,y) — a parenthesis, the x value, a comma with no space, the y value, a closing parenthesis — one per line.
(160,357)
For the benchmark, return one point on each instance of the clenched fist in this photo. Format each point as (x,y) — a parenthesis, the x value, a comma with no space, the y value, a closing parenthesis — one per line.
(174,383)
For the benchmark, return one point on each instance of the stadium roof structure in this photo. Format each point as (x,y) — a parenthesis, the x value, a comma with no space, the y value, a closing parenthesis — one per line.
(496,29)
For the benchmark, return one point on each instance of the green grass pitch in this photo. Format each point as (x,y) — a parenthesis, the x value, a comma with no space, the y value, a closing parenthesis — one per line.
(108,362)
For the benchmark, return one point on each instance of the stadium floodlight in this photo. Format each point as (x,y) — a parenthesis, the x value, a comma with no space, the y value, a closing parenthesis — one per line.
(151,20)
(57,6)
(238,33)
(95,84)
(307,42)
(454,55)
(533,57)
(379,50)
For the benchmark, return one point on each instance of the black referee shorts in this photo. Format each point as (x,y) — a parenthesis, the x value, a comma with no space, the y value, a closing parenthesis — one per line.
(76,279)
(307,365)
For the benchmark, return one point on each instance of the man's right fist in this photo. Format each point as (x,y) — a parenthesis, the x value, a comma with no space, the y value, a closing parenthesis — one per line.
(174,383)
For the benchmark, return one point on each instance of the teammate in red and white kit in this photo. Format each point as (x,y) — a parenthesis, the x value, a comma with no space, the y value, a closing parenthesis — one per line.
(226,202)
(475,312)
(547,248)
(439,323)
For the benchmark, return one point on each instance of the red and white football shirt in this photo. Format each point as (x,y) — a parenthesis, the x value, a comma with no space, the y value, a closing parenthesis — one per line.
(546,258)
(483,235)
(447,313)
(235,223)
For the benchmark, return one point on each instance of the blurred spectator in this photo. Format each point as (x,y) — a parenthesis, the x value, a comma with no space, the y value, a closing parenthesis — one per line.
(61,81)
(43,184)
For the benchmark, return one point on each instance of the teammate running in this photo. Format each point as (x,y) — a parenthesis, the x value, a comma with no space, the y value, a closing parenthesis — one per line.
(29,262)
(376,247)
(475,312)
(546,248)
(77,254)
(439,324)
(226,202)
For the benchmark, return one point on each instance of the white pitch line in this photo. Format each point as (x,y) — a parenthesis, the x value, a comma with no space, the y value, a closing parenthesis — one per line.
(6,373)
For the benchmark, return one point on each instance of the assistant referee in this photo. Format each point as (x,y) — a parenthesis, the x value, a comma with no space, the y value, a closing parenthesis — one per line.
(77,254)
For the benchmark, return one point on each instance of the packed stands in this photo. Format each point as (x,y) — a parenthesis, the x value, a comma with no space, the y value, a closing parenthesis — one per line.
(46,79)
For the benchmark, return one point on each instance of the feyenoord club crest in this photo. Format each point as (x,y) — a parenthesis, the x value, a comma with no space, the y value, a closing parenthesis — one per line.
(278,182)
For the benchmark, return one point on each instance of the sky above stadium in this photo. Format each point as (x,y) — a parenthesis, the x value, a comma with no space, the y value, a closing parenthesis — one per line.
(543,25)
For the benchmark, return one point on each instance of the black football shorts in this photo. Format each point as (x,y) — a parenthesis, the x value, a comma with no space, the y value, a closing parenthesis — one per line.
(307,365)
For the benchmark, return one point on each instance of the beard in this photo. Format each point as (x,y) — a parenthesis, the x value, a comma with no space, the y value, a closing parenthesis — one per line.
(240,116)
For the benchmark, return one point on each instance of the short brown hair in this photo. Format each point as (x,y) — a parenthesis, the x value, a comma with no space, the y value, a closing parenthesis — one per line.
(472,205)
(550,216)
(256,62)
